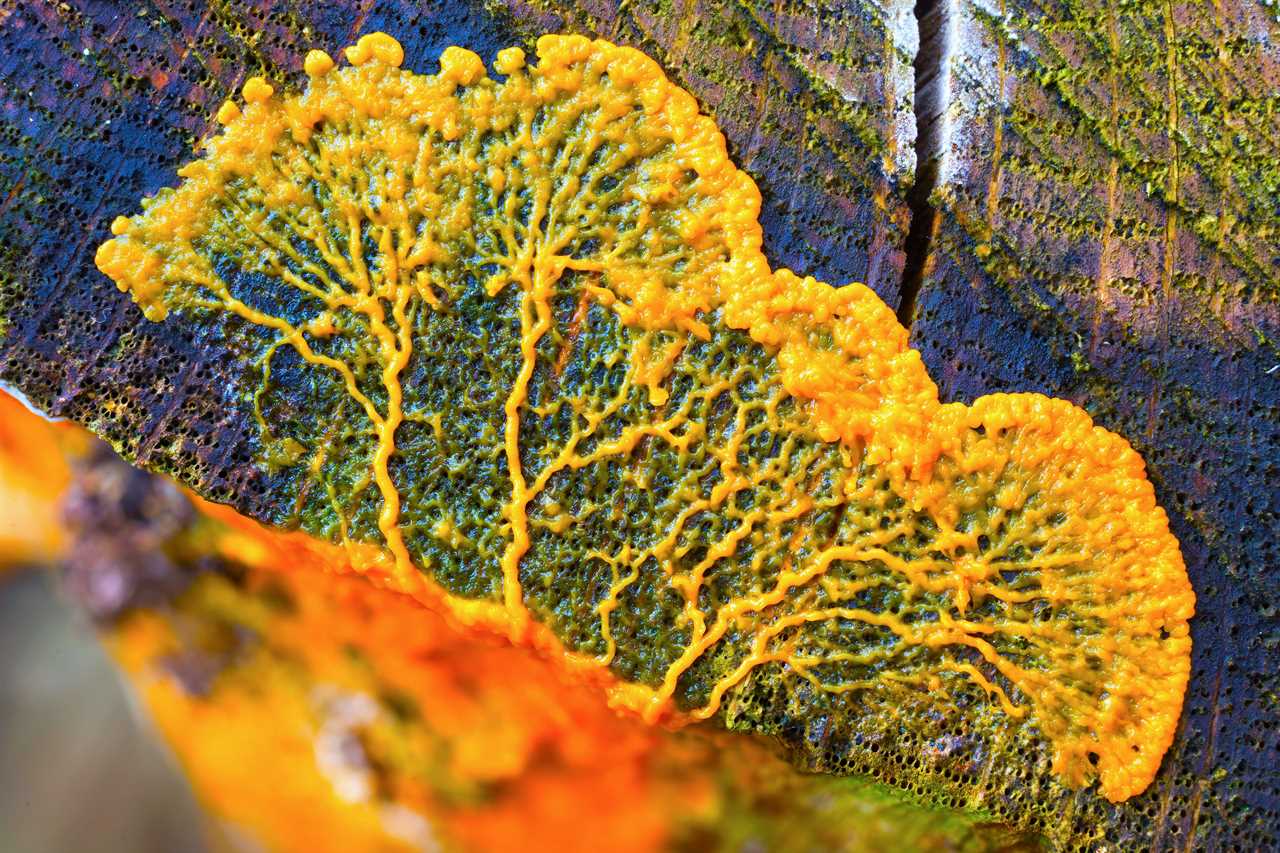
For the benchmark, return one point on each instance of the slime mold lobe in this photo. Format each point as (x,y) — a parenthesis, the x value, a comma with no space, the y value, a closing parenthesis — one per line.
(688,467)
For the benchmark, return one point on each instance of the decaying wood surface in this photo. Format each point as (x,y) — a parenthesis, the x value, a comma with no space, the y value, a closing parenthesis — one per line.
(1106,231)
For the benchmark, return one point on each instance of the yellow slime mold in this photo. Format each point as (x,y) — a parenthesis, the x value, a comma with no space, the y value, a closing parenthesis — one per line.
(802,504)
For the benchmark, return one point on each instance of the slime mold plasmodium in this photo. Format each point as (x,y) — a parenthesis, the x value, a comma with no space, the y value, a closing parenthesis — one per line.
(519,334)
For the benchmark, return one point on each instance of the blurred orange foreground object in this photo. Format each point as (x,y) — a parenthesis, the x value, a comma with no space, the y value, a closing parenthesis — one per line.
(340,716)
(512,719)
(34,471)
(497,749)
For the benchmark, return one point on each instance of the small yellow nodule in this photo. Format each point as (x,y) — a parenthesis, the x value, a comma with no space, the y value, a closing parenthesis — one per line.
(256,90)
(376,46)
(228,112)
(317,63)
(497,179)
(509,61)
(461,65)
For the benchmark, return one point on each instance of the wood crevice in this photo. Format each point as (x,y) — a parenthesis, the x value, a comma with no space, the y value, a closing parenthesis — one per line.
(933,18)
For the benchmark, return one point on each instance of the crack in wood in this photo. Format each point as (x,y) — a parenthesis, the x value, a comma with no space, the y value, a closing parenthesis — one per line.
(930,65)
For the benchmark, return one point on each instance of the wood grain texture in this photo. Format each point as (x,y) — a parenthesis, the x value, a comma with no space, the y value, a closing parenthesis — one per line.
(1108,232)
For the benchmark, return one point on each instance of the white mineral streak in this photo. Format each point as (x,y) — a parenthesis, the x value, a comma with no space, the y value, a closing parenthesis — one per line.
(904,38)
(971,91)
